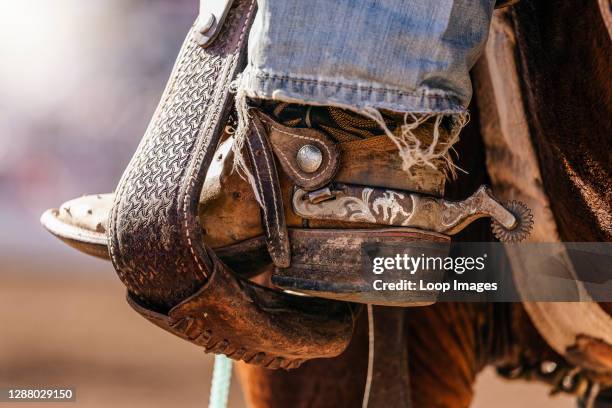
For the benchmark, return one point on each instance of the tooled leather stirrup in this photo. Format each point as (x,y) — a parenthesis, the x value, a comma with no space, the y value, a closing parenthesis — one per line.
(155,237)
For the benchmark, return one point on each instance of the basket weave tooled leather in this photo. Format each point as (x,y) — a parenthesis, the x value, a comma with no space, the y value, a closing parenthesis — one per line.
(156,240)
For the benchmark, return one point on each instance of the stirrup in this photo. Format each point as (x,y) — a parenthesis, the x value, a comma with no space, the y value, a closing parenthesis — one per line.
(155,240)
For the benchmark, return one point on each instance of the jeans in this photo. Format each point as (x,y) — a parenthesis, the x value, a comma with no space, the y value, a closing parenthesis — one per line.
(400,55)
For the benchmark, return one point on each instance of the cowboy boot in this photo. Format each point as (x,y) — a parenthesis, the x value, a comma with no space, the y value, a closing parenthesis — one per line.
(183,230)
(232,226)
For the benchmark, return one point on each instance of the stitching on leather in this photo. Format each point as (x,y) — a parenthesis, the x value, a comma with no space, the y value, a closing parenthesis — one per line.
(297,174)
(271,180)
(191,185)
(263,207)
(329,154)
(307,138)
(199,159)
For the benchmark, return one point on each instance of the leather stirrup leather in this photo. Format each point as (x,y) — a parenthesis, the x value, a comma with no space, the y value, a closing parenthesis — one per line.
(155,237)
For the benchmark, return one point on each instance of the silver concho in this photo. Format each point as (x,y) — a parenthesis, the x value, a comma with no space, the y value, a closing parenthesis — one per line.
(309,158)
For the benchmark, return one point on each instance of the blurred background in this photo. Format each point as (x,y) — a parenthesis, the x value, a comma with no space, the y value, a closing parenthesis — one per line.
(79,81)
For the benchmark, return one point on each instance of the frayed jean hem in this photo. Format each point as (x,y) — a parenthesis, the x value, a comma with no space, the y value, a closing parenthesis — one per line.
(345,94)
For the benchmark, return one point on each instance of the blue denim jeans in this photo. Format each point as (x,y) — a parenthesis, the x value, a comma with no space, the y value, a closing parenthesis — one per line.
(401,55)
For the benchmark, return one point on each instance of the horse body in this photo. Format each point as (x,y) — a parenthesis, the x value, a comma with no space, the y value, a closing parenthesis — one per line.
(448,345)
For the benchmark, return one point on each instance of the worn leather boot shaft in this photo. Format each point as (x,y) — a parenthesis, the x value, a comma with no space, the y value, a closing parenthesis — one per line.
(229,212)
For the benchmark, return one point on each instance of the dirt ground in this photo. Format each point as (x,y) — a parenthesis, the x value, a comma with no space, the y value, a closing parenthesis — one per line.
(64,322)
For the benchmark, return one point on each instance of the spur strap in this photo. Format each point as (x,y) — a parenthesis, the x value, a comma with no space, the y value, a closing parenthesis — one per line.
(267,188)
(155,235)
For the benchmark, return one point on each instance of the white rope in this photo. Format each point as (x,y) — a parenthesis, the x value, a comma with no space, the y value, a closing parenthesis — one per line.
(368,384)
(221,380)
